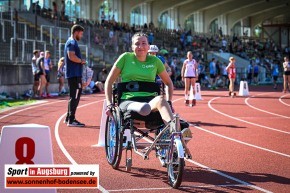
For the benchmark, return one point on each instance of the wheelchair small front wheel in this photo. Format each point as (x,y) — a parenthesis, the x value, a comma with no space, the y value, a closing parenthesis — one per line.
(113,139)
(175,165)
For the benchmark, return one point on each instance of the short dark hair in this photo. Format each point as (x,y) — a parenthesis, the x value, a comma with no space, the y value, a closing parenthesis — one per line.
(76,28)
(35,51)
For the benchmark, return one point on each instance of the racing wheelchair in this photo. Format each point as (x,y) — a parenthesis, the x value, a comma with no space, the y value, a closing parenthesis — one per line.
(123,133)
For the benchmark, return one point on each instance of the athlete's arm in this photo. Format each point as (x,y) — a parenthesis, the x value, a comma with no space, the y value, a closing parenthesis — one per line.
(113,75)
(42,67)
(182,70)
(230,64)
(167,81)
(72,56)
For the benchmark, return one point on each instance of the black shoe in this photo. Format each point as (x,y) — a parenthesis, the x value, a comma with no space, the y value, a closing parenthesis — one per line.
(65,121)
(75,123)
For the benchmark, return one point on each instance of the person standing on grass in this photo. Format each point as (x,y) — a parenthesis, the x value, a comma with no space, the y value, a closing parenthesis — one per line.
(60,76)
(73,72)
(189,74)
(231,69)
(275,73)
(35,71)
(286,74)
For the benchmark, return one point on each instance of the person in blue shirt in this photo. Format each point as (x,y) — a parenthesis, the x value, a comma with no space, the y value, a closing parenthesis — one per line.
(73,73)
(275,73)
(213,73)
(256,73)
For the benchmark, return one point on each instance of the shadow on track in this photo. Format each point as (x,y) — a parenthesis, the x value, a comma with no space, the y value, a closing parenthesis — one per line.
(200,124)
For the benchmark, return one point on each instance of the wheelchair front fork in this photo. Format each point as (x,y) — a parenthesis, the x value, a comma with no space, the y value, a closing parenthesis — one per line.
(129,148)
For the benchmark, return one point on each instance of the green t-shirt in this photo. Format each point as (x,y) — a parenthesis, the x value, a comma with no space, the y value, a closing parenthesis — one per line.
(134,70)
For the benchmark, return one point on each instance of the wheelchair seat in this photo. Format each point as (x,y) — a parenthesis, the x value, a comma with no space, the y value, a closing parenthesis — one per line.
(154,119)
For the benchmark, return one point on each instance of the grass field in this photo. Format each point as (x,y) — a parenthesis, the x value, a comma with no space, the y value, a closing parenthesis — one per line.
(14,103)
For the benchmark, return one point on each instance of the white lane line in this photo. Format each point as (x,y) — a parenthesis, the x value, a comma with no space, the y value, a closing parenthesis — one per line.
(238,141)
(268,112)
(229,177)
(61,146)
(270,128)
(280,99)
(182,187)
(221,173)
(28,108)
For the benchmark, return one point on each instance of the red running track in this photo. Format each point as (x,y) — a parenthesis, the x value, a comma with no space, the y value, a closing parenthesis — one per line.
(239,144)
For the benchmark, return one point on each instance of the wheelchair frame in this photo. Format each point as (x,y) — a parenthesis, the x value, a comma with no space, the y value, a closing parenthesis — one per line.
(169,139)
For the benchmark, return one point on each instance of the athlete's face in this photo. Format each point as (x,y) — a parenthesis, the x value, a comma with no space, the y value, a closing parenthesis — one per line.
(189,56)
(286,59)
(79,35)
(140,46)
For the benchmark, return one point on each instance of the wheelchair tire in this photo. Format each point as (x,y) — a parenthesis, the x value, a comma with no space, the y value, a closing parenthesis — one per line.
(175,166)
(114,139)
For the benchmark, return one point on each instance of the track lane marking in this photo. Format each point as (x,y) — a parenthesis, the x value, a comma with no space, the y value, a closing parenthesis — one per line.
(182,187)
(280,99)
(238,141)
(61,146)
(222,174)
(28,108)
(268,112)
(251,123)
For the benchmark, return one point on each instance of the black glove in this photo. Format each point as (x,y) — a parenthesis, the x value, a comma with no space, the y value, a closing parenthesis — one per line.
(170,104)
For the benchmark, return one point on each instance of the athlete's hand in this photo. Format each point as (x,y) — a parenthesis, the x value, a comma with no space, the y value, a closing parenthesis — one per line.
(109,110)
(83,61)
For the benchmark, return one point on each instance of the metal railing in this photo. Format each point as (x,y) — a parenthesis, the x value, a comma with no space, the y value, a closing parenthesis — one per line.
(23,49)
(60,29)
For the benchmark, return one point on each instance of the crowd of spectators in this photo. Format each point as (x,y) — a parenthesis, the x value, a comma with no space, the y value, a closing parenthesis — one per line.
(115,37)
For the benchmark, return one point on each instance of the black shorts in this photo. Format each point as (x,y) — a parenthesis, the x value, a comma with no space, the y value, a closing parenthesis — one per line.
(36,77)
(212,76)
(249,76)
(287,73)
(47,76)
(190,77)
(275,78)
(255,75)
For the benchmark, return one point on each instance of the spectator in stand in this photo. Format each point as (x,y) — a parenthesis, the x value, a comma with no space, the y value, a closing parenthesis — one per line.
(47,67)
(42,83)
(103,18)
(286,74)
(35,71)
(60,76)
(212,72)
(62,10)
(54,10)
(102,76)
(256,73)
(150,38)
(275,73)
(173,67)
(201,72)
(250,72)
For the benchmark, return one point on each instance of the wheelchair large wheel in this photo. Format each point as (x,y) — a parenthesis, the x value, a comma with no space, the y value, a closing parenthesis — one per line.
(114,139)
(175,165)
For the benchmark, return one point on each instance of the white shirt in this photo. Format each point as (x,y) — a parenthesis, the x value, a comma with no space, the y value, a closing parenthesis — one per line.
(190,70)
